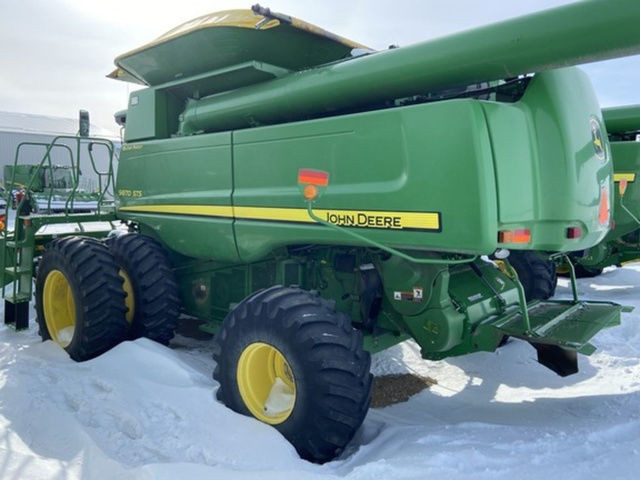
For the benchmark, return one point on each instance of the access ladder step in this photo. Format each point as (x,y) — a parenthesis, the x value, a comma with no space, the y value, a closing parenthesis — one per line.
(17,297)
(17,270)
(563,323)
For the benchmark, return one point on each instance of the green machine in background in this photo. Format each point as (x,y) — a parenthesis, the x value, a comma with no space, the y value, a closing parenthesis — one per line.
(309,201)
(52,189)
(622,243)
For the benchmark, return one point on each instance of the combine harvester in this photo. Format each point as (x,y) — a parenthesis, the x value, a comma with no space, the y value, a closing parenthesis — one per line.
(309,201)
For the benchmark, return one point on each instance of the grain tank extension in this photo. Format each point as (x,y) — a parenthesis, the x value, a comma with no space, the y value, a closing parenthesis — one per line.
(309,201)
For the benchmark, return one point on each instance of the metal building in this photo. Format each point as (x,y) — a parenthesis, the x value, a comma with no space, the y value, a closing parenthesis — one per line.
(29,129)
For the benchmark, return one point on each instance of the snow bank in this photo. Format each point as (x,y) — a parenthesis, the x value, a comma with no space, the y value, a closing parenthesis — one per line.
(144,411)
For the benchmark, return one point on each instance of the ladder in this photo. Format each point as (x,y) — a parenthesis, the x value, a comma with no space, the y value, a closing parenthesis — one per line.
(22,245)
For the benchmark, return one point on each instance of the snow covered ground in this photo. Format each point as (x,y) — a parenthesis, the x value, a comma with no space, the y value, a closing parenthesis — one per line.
(144,411)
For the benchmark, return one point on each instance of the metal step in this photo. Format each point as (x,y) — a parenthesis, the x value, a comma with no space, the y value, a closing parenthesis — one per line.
(17,298)
(561,329)
(15,271)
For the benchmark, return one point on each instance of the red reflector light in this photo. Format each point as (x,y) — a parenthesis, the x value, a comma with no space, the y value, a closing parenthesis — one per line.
(521,235)
(574,232)
(313,177)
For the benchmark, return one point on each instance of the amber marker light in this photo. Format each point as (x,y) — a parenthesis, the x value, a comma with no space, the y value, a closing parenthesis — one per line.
(520,235)
(310,192)
(622,187)
(312,183)
(604,215)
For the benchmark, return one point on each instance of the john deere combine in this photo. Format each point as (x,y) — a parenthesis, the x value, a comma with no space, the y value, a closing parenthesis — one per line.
(310,201)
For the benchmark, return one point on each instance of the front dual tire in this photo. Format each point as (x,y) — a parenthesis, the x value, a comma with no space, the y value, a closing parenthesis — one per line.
(91,295)
(80,302)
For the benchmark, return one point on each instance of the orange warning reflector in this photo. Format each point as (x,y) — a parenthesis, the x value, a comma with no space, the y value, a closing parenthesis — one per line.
(604,215)
(313,177)
(521,235)
(622,186)
(310,192)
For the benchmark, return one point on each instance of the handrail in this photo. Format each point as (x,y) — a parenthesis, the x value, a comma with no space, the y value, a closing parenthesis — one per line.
(57,142)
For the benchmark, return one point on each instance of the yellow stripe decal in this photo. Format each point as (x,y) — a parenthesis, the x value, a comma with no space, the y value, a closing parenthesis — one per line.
(347,218)
(629,177)
(203,210)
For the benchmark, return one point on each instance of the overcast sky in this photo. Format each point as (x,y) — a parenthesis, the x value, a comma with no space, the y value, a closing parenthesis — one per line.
(54,54)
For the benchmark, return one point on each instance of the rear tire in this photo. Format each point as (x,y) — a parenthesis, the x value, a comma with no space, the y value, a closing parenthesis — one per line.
(537,275)
(79,297)
(148,275)
(328,368)
(585,272)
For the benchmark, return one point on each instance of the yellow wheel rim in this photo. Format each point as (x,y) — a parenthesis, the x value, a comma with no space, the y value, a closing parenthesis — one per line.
(59,308)
(129,299)
(266,383)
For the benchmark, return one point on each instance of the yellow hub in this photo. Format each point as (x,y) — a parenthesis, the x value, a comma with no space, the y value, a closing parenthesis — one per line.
(129,299)
(59,308)
(266,383)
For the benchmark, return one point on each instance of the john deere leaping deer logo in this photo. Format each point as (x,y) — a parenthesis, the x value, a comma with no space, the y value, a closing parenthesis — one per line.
(596,136)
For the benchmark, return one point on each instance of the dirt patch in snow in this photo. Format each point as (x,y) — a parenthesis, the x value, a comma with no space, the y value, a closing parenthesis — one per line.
(391,389)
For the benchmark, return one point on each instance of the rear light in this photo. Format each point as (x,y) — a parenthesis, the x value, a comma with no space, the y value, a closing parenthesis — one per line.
(574,232)
(605,212)
(522,235)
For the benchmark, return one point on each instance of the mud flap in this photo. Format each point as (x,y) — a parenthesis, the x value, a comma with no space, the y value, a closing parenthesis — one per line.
(563,361)
(559,330)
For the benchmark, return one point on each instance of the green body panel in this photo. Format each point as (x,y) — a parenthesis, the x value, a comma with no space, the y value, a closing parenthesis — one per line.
(548,175)
(442,157)
(405,159)
(185,172)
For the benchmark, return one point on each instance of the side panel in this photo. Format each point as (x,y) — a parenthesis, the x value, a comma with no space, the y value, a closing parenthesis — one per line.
(181,189)
(430,158)
(550,174)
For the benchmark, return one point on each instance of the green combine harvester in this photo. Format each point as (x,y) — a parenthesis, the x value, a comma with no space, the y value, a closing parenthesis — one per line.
(52,189)
(310,201)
